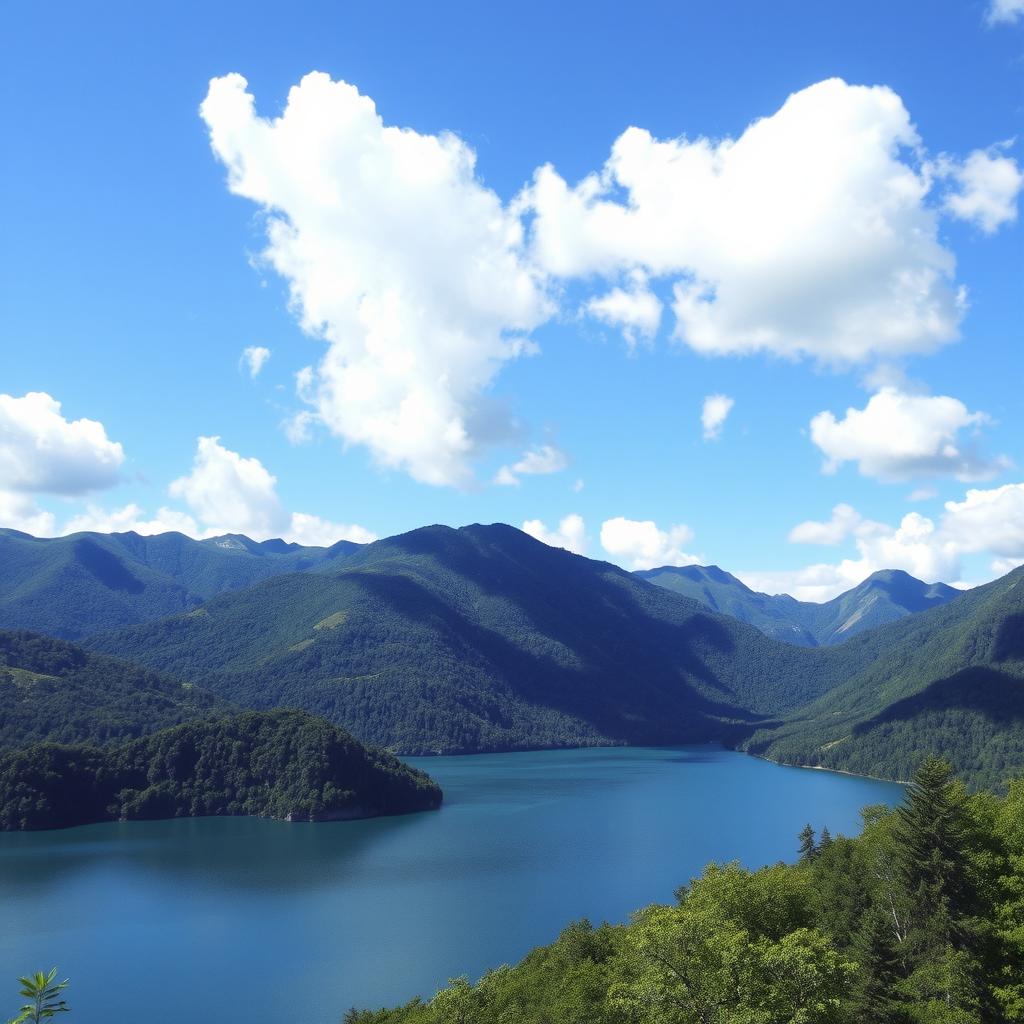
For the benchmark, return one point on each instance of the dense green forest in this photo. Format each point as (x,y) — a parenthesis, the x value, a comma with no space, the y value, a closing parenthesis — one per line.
(73,586)
(920,920)
(884,596)
(949,680)
(53,690)
(485,639)
(280,764)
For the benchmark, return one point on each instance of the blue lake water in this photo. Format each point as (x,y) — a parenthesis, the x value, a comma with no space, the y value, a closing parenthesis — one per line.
(236,919)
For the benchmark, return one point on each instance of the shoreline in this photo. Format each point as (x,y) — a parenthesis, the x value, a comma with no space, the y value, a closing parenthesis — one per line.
(612,745)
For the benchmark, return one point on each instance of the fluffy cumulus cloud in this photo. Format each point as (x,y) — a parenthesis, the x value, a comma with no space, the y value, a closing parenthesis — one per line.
(987,185)
(131,518)
(20,512)
(898,436)
(397,256)
(1005,11)
(254,358)
(986,521)
(537,462)
(640,544)
(713,415)
(809,234)
(42,452)
(844,522)
(570,534)
(635,310)
(229,493)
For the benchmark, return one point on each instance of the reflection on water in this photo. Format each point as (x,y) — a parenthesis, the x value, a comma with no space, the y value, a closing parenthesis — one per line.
(307,920)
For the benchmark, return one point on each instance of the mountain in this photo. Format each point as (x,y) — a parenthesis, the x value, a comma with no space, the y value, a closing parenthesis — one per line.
(53,690)
(74,586)
(883,597)
(483,638)
(277,764)
(949,680)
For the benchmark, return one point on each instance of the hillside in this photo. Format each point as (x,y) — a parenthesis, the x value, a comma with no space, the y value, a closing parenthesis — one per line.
(482,639)
(73,586)
(883,597)
(53,690)
(949,680)
(280,764)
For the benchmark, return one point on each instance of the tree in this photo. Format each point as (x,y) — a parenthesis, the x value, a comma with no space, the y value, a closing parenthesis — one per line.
(826,840)
(874,996)
(808,846)
(44,998)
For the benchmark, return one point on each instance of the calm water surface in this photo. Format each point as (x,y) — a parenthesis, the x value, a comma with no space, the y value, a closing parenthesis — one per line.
(262,922)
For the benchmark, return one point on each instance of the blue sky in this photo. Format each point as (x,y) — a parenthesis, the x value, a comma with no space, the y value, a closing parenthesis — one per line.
(453,324)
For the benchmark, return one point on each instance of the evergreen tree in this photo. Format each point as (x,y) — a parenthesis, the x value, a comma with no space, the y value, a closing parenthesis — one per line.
(826,840)
(808,846)
(874,997)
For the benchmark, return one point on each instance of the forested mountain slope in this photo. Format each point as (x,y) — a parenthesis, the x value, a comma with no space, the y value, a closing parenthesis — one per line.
(483,638)
(73,586)
(949,680)
(53,690)
(280,764)
(884,596)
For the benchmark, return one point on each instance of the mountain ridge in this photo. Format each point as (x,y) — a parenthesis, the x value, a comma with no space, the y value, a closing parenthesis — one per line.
(884,596)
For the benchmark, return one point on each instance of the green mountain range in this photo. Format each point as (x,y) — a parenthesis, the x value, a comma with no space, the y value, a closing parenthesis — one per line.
(883,597)
(73,586)
(483,639)
(949,680)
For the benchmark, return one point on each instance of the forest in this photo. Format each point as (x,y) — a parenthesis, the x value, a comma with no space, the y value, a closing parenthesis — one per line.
(919,920)
(279,764)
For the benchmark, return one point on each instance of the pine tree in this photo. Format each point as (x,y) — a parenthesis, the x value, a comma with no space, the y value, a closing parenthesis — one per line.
(825,841)
(930,836)
(808,847)
(875,999)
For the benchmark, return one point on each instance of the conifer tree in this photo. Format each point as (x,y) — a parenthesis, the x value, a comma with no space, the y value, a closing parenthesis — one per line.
(874,998)
(808,846)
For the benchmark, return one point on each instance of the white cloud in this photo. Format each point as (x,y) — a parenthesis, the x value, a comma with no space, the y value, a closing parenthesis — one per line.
(922,494)
(577,486)
(229,493)
(988,184)
(636,310)
(538,461)
(810,234)
(640,544)
(42,452)
(1005,11)
(20,512)
(130,518)
(899,436)
(397,256)
(254,357)
(915,546)
(986,521)
(313,531)
(713,414)
(845,522)
(571,533)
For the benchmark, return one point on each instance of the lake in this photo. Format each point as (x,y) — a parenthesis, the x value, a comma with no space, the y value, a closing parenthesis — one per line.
(264,922)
